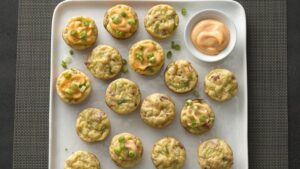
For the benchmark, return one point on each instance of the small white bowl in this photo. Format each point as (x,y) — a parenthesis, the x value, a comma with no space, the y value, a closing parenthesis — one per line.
(209,14)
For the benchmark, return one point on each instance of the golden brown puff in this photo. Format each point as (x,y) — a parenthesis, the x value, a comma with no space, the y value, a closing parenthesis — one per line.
(121,21)
(168,153)
(82,160)
(161,21)
(123,96)
(180,76)
(126,150)
(104,62)
(220,85)
(92,125)
(158,110)
(80,32)
(196,116)
(73,86)
(215,154)
(146,57)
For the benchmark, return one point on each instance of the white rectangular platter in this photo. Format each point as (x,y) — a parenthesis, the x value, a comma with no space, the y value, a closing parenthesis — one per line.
(231,116)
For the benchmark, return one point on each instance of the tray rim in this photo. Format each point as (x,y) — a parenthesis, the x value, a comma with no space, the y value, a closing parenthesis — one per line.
(59,5)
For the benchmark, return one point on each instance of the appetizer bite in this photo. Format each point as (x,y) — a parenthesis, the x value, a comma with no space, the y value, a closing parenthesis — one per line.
(92,125)
(73,86)
(197,117)
(104,62)
(123,96)
(168,153)
(180,76)
(82,160)
(126,150)
(80,32)
(158,110)
(161,21)
(146,57)
(121,21)
(220,85)
(215,154)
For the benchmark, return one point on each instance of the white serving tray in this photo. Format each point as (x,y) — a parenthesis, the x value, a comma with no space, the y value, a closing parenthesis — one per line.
(231,116)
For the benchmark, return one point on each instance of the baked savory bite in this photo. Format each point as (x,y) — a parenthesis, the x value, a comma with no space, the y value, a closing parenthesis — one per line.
(180,76)
(92,125)
(196,116)
(123,96)
(220,85)
(168,153)
(82,160)
(158,110)
(80,32)
(146,57)
(215,154)
(161,21)
(126,150)
(104,62)
(73,86)
(121,21)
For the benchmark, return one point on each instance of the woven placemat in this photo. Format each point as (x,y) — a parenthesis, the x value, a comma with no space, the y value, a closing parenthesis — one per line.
(267,79)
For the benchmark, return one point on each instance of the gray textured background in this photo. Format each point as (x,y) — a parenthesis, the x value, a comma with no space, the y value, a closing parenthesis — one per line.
(267,78)
(8,47)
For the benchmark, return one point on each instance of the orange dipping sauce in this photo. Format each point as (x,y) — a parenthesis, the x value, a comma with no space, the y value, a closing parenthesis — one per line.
(210,36)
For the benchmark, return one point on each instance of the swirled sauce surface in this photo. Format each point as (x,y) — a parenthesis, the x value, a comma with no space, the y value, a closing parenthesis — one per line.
(210,36)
